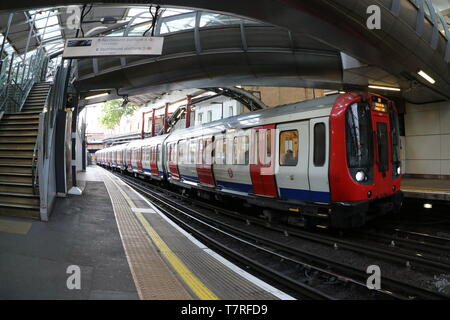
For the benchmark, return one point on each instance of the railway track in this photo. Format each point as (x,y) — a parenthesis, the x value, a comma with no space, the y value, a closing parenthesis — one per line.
(196,222)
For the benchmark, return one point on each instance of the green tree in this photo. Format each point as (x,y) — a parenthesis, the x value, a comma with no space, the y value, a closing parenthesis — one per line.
(113,111)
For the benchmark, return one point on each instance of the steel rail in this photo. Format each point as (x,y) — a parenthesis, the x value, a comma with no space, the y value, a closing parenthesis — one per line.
(353,275)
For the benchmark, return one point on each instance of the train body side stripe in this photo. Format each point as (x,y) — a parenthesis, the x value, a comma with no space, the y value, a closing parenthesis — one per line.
(305,195)
(241,187)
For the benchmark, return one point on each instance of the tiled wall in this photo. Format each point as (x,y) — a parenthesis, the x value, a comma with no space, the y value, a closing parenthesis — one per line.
(427,141)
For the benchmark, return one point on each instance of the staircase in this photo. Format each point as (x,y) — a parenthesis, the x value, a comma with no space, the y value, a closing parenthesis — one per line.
(18,134)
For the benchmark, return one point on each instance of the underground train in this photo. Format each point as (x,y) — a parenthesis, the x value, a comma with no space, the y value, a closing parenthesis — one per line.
(332,162)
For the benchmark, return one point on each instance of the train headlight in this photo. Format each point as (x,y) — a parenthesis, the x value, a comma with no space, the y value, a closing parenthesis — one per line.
(360,176)
(399,170)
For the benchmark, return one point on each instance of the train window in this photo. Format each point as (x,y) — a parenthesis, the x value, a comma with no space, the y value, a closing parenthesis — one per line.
(319,144)
(158,150)
(192,147)
(359,136)
(181,150)
(268,147)
(200,157)
(240,150)
(208,151)
(383,151)
(289,148)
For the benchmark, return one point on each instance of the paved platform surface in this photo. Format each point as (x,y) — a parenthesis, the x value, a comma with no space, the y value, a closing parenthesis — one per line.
(82,231)
(432,189)
(125,248)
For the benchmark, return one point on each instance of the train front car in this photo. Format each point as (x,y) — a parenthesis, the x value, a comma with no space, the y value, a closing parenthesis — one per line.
(365,171)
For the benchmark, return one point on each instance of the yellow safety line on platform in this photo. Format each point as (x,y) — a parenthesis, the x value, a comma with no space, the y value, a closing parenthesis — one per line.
(200,290)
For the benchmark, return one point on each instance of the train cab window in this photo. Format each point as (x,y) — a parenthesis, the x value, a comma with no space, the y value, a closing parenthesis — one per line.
(319,144)
(289,148)
(359,136)
(241,150)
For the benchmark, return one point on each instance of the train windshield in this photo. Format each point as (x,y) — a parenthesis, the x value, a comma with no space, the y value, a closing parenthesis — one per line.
(359,136)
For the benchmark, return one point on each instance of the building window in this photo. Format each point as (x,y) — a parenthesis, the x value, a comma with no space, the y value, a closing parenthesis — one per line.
(289,148)
(319,144)
(209,116)
(230,111)
(240,150)
(200,117)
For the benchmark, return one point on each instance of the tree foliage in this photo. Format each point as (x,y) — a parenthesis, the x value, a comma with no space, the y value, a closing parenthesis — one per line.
(112,112)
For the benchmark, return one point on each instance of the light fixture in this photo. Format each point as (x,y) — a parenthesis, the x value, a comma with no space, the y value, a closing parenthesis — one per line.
(427,205)
(97,96)
(360,176)
(424,75)
(385,88)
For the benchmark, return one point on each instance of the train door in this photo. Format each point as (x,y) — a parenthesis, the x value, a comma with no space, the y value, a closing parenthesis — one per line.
(204,163)
(262,162)
(382,176)
(292,164)
(172,160)
(153,163)
(319,146)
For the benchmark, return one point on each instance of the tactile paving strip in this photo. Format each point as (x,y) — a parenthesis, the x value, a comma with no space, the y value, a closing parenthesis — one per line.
(152,277)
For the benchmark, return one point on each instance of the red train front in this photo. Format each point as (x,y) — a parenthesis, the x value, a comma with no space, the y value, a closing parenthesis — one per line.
(365,172)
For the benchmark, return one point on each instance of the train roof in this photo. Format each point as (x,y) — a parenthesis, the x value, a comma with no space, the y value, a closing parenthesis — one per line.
(314,108)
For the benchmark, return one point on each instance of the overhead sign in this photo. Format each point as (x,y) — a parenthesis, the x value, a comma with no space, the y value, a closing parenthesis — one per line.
(112,46)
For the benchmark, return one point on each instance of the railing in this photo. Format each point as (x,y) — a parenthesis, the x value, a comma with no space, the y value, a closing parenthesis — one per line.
(18,77)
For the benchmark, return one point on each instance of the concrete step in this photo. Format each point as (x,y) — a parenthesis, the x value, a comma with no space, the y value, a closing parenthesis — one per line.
(16,152)
(16,168)
(18,131)
(26,188)
(17,145)
(20,116)
(17,210)
(21,126)
(16,160)
(24,122)
(16,178)
(19,198)
(18,139)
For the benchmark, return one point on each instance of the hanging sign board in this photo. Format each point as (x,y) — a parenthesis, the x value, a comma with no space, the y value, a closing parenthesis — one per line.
(112,46)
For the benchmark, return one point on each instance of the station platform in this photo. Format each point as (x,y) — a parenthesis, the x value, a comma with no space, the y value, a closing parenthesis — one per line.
(426,188)
(124,247)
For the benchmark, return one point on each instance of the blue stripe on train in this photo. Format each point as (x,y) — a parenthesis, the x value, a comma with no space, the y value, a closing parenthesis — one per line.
(190,178)
(305,195)
(241,187)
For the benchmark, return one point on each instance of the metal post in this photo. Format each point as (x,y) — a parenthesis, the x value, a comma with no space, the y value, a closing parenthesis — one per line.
(5,35)
(153,123)
(188,111)
(166,116)
(27,46)
(143,124)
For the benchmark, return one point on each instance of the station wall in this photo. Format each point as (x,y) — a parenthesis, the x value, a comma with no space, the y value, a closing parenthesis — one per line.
(427,139)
